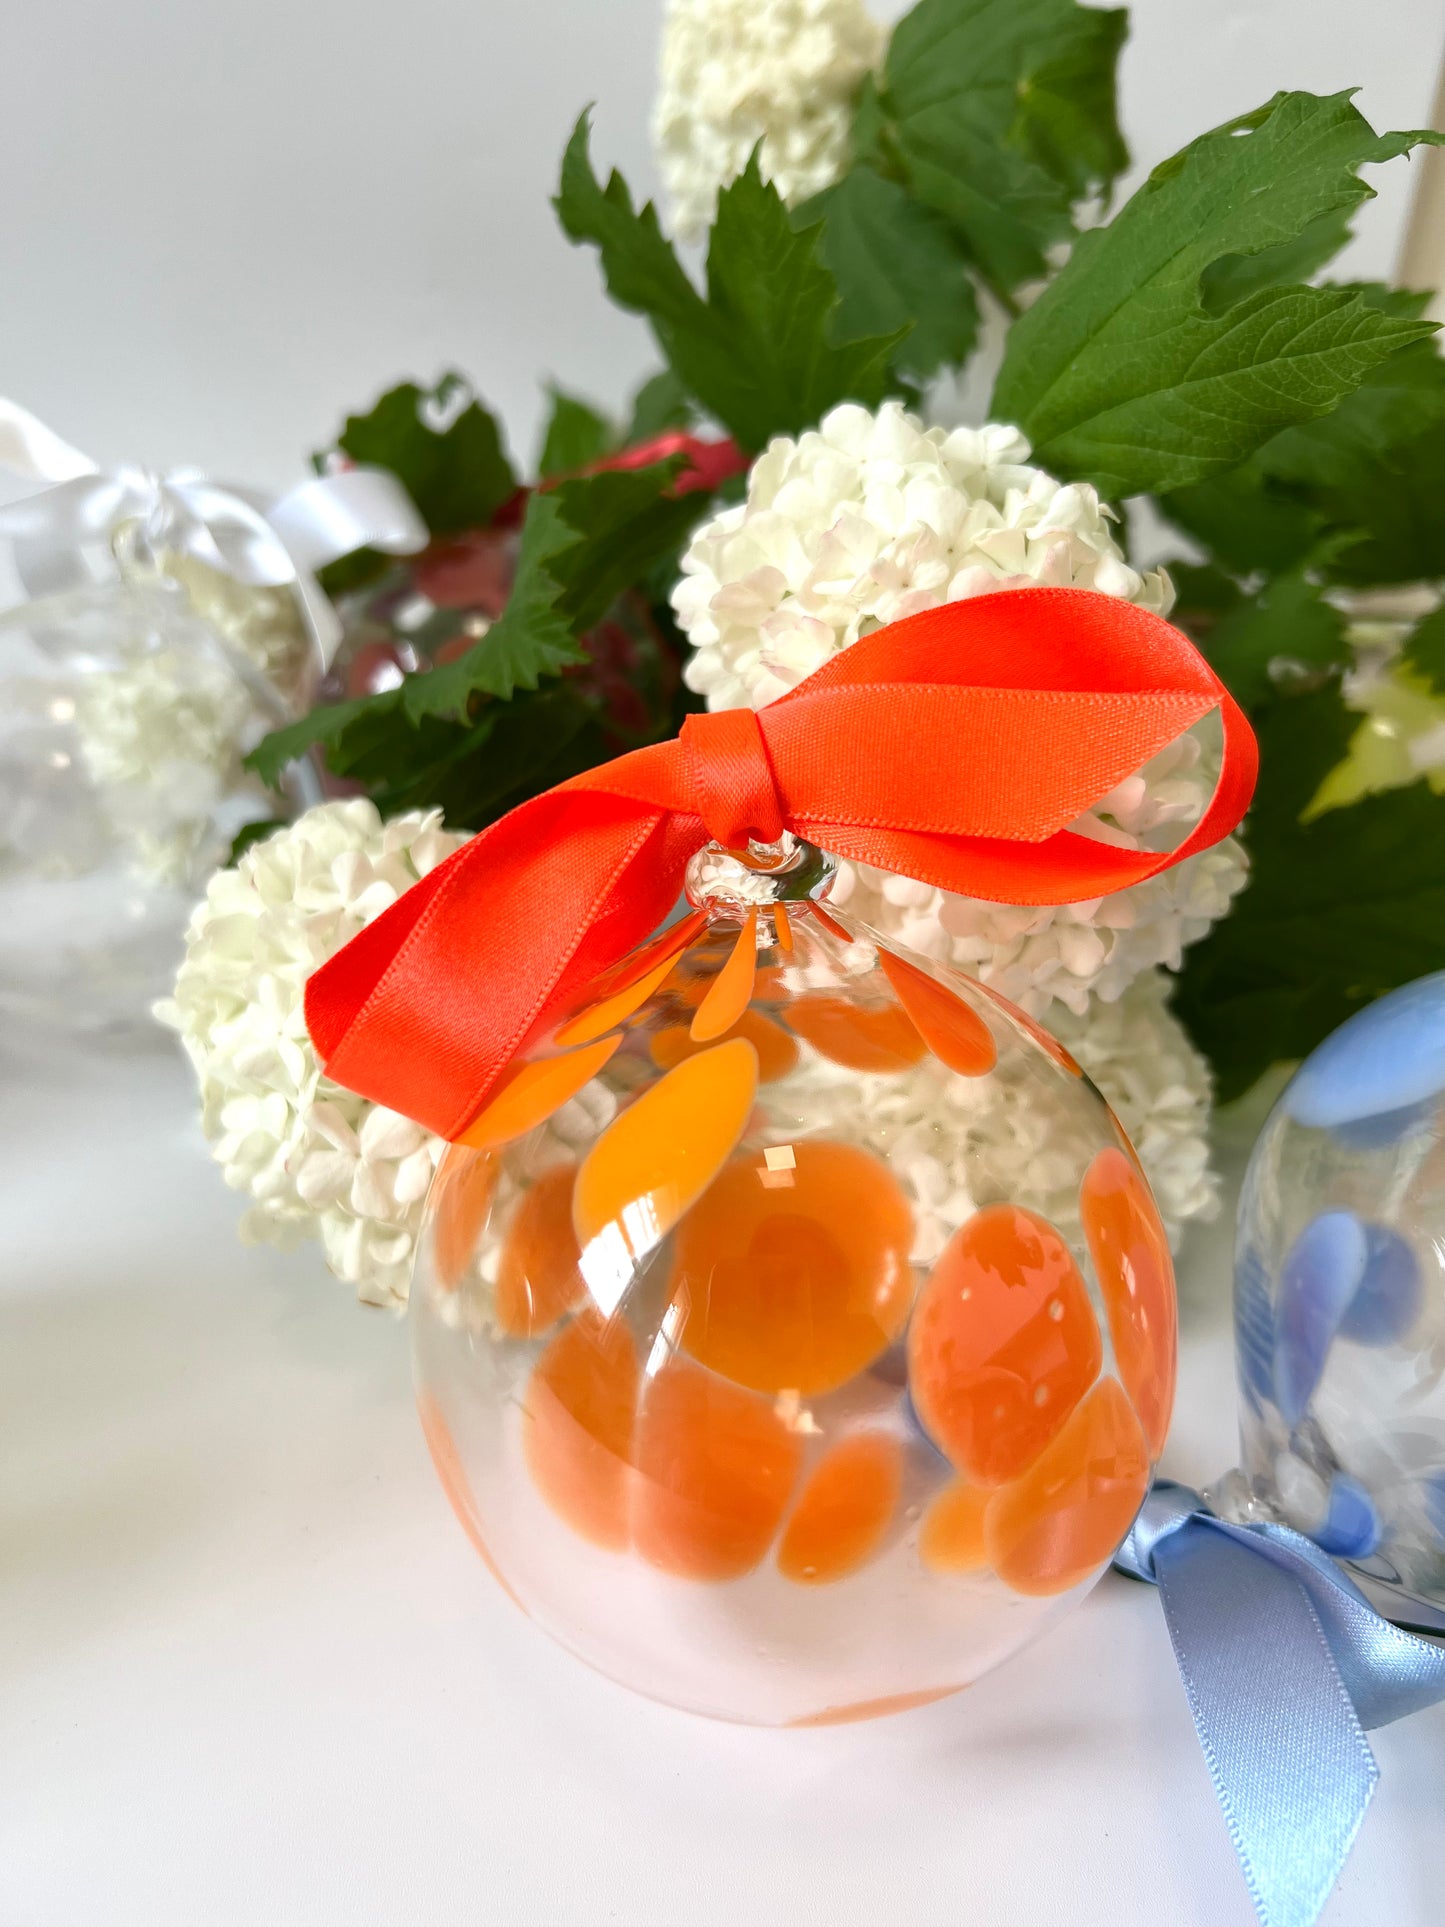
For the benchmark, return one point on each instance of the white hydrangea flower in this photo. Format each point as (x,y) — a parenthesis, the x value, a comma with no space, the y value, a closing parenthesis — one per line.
(736,72)
(162,735)
(314,1159)
(1160,1089)
(873,517)
(959,1143)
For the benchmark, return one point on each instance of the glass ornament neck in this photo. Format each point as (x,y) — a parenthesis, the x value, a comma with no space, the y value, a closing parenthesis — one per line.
(788,871)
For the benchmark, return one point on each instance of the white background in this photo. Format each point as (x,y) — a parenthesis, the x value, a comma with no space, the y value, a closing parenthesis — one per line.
(224,224)
(251,1675)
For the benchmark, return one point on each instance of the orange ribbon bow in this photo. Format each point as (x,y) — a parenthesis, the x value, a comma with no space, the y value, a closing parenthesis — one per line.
(955,746)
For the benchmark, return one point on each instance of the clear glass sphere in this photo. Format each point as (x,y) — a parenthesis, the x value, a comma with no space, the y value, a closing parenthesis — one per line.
(794,1331)
(125,712)
(1340,1301)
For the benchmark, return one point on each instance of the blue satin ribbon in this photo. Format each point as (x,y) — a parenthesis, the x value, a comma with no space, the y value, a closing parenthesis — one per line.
(1285,1663)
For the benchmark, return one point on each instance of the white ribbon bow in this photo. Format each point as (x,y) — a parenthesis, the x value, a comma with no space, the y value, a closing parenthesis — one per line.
(61,535)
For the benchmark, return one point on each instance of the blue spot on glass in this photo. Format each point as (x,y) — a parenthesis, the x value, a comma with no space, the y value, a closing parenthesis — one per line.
(1352,1525)
(1387,1303)
(1386,1058)
(1317,1282)
(1253,1328)
(1432,1491)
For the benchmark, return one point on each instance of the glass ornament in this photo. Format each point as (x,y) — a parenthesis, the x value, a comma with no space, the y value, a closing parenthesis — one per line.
(794,1330)
(125,710)
(1340,1303)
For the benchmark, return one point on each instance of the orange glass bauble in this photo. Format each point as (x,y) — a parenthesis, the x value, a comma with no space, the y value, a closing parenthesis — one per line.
(794,1327)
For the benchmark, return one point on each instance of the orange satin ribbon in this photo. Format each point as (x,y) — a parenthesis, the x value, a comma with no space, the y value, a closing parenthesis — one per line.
(954,747)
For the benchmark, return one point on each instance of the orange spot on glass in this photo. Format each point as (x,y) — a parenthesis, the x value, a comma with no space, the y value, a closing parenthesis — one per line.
(538,1279)
(1065,1517)
(600,1017)
(798,1283)
(833,928)
(1045,1039)
(578,1417)
(731,990)
(640,963)
(715,1470)
(464,1186)
(456,1485)
(1003,1343)
(955,1034)
(777,1052)
(860,1036)
(1136,1275)
(532,1093)
(655,1160)
(878,1709)
(844,1511)
(951,1537)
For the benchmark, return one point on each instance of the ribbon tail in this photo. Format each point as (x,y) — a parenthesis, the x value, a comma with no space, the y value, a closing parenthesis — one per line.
(1290,1762)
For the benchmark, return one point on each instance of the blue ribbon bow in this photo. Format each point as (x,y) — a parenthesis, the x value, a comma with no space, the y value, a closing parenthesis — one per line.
(1285,1663)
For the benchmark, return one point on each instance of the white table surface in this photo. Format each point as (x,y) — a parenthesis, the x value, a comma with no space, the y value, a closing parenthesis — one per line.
(252,1675)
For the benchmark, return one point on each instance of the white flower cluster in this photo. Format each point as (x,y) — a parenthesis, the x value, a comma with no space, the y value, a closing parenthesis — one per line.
(313,1158)
(736,72)
(172,677)
(959,1143)
(873,517)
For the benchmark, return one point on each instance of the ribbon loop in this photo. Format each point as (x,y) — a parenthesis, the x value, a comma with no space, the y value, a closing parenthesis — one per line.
(65,526)
(1285,1663)
(892,754)
(731,777)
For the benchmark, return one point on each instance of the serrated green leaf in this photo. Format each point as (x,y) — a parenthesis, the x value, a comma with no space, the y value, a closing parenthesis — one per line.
(898,267)
(1337,911)
(1287,629)
(576,434)
(458,476)
(998,113)
(1119,375)
(1363,481)
(625,521)
(529,640)
(759,351)
(1234,277)
(1424,649)
(659,404)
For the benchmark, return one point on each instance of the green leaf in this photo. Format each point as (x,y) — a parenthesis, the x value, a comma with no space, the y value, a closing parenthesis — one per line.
(1118,374)
(1288,631)
(458,475)
(1364,480)
(575,435)
(1337,911)
(624,521)
(759,351)
(529,640)
(998,113)
(659,404)
(1424,650)
(898,267)
(1234,277)
(1067,118)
